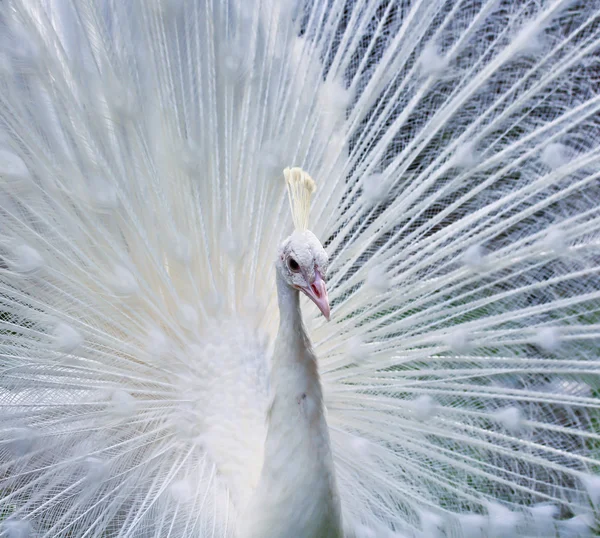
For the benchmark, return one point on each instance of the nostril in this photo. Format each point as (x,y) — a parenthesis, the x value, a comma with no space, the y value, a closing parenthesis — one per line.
(316,289)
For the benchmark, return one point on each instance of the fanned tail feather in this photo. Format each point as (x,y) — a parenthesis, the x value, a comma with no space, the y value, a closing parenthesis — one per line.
(456,148)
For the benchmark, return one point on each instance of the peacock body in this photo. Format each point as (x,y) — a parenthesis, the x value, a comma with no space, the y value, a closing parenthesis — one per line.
(157,378)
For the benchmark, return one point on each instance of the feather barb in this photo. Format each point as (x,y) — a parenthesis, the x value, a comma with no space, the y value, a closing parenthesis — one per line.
(300,189)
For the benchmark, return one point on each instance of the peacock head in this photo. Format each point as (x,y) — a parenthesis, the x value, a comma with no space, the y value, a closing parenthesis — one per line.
(302,260)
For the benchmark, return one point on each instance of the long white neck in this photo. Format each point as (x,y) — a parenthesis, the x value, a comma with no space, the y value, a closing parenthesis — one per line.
(297,493)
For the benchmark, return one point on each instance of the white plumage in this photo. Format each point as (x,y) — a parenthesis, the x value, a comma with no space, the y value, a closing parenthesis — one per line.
(143,219)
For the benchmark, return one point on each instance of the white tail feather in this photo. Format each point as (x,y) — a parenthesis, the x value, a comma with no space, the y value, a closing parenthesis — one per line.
(457,149)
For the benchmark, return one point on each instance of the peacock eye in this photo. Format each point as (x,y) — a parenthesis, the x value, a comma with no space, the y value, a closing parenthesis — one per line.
(293,265)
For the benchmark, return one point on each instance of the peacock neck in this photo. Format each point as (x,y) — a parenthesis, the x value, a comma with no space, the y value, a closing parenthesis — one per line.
(295,385)
(297,493)
(292,333)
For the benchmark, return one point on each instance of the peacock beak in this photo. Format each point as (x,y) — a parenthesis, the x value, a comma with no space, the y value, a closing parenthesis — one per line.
(317,293)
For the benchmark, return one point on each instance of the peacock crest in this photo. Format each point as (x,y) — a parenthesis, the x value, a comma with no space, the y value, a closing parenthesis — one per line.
(300,188)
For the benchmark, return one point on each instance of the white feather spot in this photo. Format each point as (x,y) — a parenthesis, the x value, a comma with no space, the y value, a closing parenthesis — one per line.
(17,528)
(355,348)
(199,442)
(12,167)
(195,352)
(592,486)
(235,65)
(334,101)
(502,521)
(579,526)
(6,66)
(122,101)
(66,338)
(25,259)
(25,49)
(103,195)
(182,491)
(465,156)
(123,282)
(363,447)
(529,40)
(431,62)
(362,531)
(232,246)
(542,519)
(231,64)
(555,155)
(374,188)
(123,404)
(458,341)
(377,280)
(167,8)
(509,418)
(157,343)
(187,420)
(424,407)
(182,249)
(337,148)
(431,524)
(96,469)
(472,525)
(189,157)
(473,257)
(214,301)
(548,339)
(555,241)
(253,306)
(21,441)
(271,160)
(188,316)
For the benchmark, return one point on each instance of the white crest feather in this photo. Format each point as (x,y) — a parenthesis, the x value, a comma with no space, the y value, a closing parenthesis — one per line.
(300,188)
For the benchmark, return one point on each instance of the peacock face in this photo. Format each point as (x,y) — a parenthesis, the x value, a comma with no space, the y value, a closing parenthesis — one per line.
(303,262)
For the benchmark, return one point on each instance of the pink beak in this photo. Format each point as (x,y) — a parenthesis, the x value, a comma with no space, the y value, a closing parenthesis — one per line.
(317,293)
